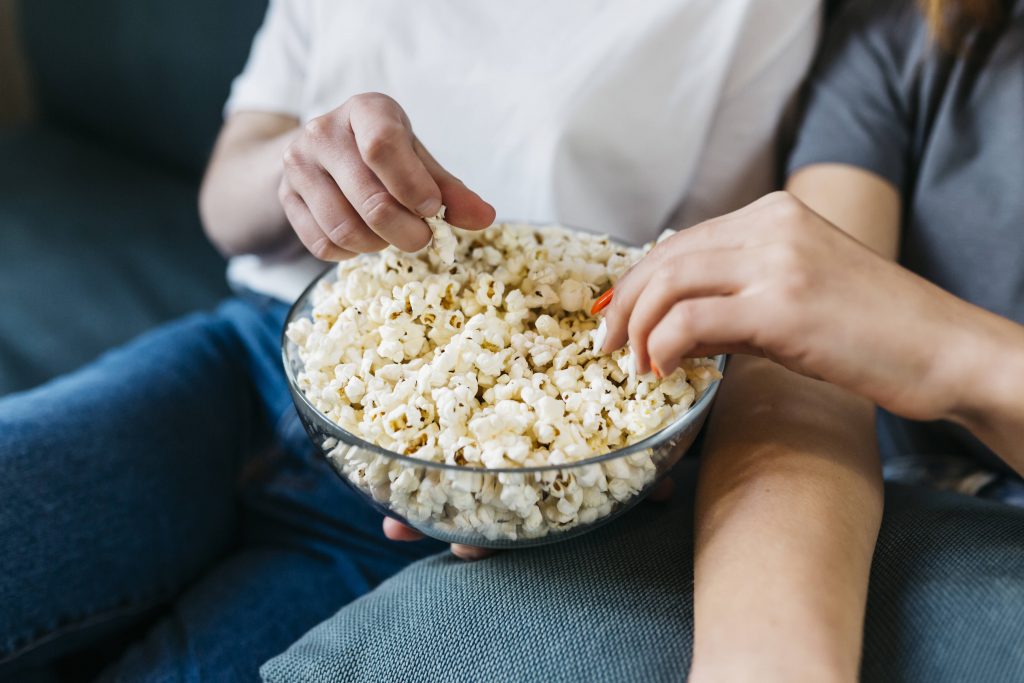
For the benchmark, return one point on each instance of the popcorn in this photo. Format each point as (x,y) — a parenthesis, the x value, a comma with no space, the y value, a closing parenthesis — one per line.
(549,409)
(444,243)
(355,389)
(599,336)
(478,352)
(574,295)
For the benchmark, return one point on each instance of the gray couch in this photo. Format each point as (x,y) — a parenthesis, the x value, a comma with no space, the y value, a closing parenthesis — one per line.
(100,160)
(99,240)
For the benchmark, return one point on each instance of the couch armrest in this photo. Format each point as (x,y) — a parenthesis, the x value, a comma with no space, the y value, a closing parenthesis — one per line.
(16,104)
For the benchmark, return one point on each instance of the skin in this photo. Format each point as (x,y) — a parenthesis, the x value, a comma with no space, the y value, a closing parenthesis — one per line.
(349,182)
(263,163)
(797,492)
(778,280)
(238,198)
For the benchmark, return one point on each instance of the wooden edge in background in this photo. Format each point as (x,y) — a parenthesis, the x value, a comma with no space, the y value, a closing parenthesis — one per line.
(15,101)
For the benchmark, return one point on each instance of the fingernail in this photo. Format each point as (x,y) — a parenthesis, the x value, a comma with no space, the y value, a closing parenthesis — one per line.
(655,370)
(602,301)
(429,207)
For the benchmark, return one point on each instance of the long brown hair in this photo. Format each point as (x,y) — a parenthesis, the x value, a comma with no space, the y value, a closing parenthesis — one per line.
(951,20)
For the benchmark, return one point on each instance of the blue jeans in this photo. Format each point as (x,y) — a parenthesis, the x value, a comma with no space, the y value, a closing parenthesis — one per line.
(169,491)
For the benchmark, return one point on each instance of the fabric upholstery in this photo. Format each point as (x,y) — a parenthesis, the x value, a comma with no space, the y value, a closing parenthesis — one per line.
(96,248)
(947,590)
(946,604)
(614,605)
(149,76)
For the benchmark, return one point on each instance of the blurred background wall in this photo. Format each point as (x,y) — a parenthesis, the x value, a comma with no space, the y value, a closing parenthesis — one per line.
(108,111)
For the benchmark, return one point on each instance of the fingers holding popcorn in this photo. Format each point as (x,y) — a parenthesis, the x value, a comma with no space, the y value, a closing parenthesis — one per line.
(368,182)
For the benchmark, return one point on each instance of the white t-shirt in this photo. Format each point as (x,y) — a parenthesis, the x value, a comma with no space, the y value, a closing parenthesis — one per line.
(619,116)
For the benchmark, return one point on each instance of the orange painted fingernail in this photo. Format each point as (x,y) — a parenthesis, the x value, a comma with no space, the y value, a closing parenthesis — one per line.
(602,302)
(655,370)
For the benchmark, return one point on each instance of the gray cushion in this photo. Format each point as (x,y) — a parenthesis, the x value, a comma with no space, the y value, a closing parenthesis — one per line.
(947,604)
(96,248)
(613,605)
(148,76)
(946,600)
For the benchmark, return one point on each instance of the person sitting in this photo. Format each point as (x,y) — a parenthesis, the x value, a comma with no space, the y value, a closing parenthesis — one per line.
(171,478)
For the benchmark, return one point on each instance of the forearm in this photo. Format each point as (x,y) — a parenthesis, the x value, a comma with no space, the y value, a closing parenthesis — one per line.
(984,368)
(238,201)
(788,508)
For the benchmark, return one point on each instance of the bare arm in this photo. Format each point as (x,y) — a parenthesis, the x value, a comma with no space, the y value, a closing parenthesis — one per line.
(790,496)
(351,181)
(778,279)
(991,407)
(238,200)
(788,508)
(982,354)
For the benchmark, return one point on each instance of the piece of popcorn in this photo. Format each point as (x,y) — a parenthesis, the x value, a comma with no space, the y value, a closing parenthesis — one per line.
(549,409)
(574,295)
(599,336)
(406,481)
(444,243)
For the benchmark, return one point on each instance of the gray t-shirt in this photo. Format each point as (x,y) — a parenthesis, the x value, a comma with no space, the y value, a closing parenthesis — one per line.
(948,131)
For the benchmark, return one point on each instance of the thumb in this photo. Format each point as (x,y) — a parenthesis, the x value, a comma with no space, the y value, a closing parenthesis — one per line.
(464,208)
(396,531)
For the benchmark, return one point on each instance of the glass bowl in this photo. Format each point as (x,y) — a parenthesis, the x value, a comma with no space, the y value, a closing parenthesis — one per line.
(493,508)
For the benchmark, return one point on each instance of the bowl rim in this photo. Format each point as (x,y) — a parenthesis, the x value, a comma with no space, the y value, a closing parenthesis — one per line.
(692,414)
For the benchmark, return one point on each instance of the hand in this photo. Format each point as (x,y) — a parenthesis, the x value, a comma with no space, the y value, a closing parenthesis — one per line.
(776,279)
(356,179)
(397,531)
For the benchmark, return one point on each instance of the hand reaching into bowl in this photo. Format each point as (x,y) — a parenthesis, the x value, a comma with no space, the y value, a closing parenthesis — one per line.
(776,279)
(357,179)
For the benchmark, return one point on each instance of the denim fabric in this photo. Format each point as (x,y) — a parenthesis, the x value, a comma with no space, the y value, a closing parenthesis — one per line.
(946,604)
(955,472)
(172,480)
(930,457)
